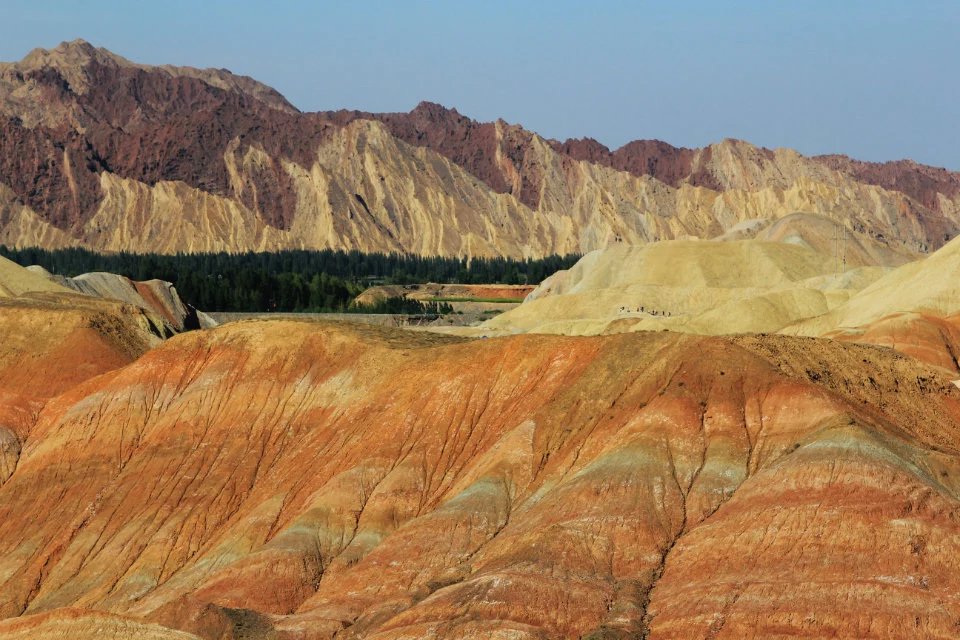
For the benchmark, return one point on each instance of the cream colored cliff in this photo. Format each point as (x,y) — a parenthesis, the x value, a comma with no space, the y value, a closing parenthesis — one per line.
(705,287)
(369,191)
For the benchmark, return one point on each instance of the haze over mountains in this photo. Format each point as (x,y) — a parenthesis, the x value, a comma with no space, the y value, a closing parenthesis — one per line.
(104,153)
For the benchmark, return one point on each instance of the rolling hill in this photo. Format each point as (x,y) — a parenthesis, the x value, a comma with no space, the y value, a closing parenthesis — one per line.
(292,479)
(749,286)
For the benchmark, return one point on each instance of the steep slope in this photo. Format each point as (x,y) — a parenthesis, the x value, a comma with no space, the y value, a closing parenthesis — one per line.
(658,484)
(53,342)
(105,153)
(512,160)
(500,154)
(927,185)
(54,339)
(76,112)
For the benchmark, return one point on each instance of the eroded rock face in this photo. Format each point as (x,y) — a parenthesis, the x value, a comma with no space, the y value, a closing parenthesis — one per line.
(68,624)
(922,183)
(52,342)
(158,296)
(307,480)
(77,111)
(101,152)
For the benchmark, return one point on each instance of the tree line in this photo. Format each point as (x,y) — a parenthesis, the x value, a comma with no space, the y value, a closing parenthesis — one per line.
(293,280)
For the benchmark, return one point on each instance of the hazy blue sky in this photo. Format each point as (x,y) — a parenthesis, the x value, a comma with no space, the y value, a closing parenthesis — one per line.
(876,79)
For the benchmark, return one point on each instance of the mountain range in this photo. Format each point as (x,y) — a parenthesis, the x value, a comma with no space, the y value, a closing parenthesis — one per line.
(100,152)
(737,415)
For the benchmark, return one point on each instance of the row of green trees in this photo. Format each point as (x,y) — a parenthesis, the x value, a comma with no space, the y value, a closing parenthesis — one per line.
(317,281)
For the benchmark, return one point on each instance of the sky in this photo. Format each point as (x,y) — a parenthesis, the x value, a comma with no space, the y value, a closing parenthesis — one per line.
(877,80)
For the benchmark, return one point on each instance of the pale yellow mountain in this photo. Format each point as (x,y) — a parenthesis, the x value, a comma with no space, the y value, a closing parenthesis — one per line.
(602,206)
(749,286)
(828,236)
(15,281)
(705,287)
(737,164)
(930,286)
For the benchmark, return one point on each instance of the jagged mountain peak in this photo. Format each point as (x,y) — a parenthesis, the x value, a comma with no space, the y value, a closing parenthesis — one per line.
(73,59)
(82,124)
(434,110)
(76,52)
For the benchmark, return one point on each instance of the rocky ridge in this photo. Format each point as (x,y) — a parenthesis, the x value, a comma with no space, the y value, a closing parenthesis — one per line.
(104,153)
(158,296)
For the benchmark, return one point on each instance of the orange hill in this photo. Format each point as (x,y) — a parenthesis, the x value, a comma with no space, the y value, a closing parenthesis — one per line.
(300,480)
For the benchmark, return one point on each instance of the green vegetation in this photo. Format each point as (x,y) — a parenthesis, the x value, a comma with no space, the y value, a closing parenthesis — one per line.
(314,281)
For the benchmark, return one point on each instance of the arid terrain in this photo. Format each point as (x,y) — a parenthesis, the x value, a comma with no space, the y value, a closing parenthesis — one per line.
(717,288)
(292,479)
(101,152)
(736,416)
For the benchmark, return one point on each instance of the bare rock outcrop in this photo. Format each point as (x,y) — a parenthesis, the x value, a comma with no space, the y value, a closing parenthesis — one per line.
(158,296)
(101,152)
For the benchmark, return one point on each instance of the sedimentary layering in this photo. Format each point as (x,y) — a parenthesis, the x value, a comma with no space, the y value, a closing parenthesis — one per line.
(158,296)
(52,339)
(693,286)
(105,153)
(294,480)
(718,288)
